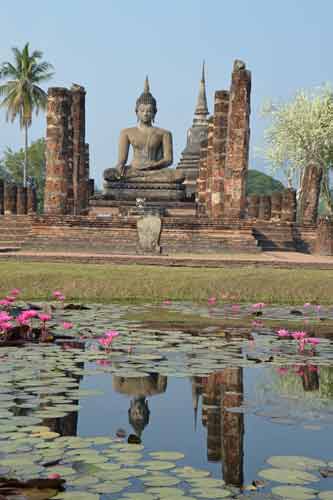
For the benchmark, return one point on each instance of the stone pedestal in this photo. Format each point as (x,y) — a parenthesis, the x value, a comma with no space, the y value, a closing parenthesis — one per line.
(10,197)
(264,208)
(130,191)
(149,230)
(21,203)
(324,237)
(1,197)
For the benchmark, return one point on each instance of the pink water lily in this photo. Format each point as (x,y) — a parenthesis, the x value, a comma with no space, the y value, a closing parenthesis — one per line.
(167,302)
(15,291)
(111,334)
(5,302)
(212,300)
(298,335)
(307,304)
(105,341)
(312,340)
(6,325)
(258,305)
(67,325)
(5,316)
(283,333)
(44,317)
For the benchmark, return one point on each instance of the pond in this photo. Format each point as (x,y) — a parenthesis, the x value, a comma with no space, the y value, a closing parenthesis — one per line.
(186,402)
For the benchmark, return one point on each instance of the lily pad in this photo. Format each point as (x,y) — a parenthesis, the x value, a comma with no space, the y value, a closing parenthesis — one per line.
(295,462)
(288,476)
(294,492)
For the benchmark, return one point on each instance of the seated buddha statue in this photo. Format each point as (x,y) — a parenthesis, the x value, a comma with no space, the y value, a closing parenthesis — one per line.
(152,152)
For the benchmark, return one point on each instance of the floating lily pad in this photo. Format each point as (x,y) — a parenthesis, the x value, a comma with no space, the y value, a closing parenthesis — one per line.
(295,462)
(295,492)
(288,476)
(167,455)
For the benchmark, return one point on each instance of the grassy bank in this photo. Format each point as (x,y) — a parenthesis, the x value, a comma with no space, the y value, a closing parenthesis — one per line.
(106,283)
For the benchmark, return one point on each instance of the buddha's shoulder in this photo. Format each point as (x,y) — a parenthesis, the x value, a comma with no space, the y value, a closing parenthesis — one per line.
(162,131)
(129,130)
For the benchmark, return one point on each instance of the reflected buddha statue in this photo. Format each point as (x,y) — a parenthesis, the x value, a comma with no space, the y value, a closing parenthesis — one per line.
(152,155)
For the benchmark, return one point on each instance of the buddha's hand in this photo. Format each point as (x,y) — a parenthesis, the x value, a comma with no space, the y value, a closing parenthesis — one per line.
(122,170)
(149,165)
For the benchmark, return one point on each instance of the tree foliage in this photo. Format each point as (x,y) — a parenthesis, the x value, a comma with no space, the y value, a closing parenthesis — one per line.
(259,183)
(21,93)
(11,166)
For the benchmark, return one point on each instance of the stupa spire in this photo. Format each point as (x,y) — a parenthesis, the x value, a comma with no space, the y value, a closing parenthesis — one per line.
(201,109)
(146,89)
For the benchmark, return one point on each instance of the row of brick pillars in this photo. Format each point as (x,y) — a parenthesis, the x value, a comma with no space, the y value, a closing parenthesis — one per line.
(277,206)
(67,154)
(17,200)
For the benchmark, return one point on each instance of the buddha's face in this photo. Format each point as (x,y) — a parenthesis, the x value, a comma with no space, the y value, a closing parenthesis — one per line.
(145,113)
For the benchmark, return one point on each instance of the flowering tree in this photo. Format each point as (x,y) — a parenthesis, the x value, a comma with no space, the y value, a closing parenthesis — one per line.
(301,134)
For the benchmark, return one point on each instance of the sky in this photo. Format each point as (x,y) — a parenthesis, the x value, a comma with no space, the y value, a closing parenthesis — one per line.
(109,46)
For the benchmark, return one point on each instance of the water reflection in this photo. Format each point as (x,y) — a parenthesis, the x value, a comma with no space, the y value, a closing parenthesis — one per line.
(139,388)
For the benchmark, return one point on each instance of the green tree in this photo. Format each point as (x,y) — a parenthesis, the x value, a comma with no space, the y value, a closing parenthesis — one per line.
(261,184)
(300,135)
(12,163)
(21,93)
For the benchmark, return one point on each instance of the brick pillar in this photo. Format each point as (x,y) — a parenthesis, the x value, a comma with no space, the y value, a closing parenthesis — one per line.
(324,237)
(91,187)
(31,200)
(288,208)
(10,197)
(220,121)
(1,197)
(238,137)
(79,160)
(202,180)
(21,200)
(265,208)
(232,427)
(311,183)
(209,170)
(87,174)
(70,175)
(56,182)
(276,201)
(253,206)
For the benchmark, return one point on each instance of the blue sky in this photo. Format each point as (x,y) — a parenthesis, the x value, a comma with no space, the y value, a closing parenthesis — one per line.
(110,45)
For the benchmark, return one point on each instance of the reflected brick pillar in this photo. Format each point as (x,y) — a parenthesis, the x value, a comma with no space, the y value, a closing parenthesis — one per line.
(79,149)
(210,163)
(220,121)
(276,201)
(253,206)
(21,201)
(202,180)
(211,403)
(56,182)
(311,183)
(1,197)
(232,427)
(10,197)
(238,137)
(31,200)
(264,208)
(288,208)
(324,237)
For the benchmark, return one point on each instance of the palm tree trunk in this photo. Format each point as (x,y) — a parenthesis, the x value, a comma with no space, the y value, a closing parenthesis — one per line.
(25,167)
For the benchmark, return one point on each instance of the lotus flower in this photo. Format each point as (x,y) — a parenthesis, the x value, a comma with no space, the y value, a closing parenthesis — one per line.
(44,317)
(298,335)
(67,325)
(283,333)
(258,305)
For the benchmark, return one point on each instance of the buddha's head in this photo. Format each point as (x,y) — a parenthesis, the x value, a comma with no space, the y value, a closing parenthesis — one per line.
(146,108)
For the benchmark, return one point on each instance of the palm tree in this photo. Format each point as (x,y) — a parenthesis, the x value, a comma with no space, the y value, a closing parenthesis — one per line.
(22,94)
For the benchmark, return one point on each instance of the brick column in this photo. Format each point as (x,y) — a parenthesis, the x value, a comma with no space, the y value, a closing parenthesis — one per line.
(238,137)
(202,180)
(31,200)
(253,206)
(1,197)
(324,237)
(265,208)
(21,200)
(220,121)
(87,174)
(232,427)
(288,208)
(10,197)
(56,182)
(311,183)
(79,160)
(209,170)
(276,201)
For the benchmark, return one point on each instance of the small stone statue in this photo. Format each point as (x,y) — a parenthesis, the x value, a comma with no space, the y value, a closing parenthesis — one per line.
(152,148)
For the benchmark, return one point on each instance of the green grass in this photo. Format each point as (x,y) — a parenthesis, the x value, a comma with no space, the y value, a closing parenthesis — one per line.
(106,283)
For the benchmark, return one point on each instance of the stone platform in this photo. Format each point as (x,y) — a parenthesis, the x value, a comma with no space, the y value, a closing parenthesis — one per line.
(156,192)
(100,206)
